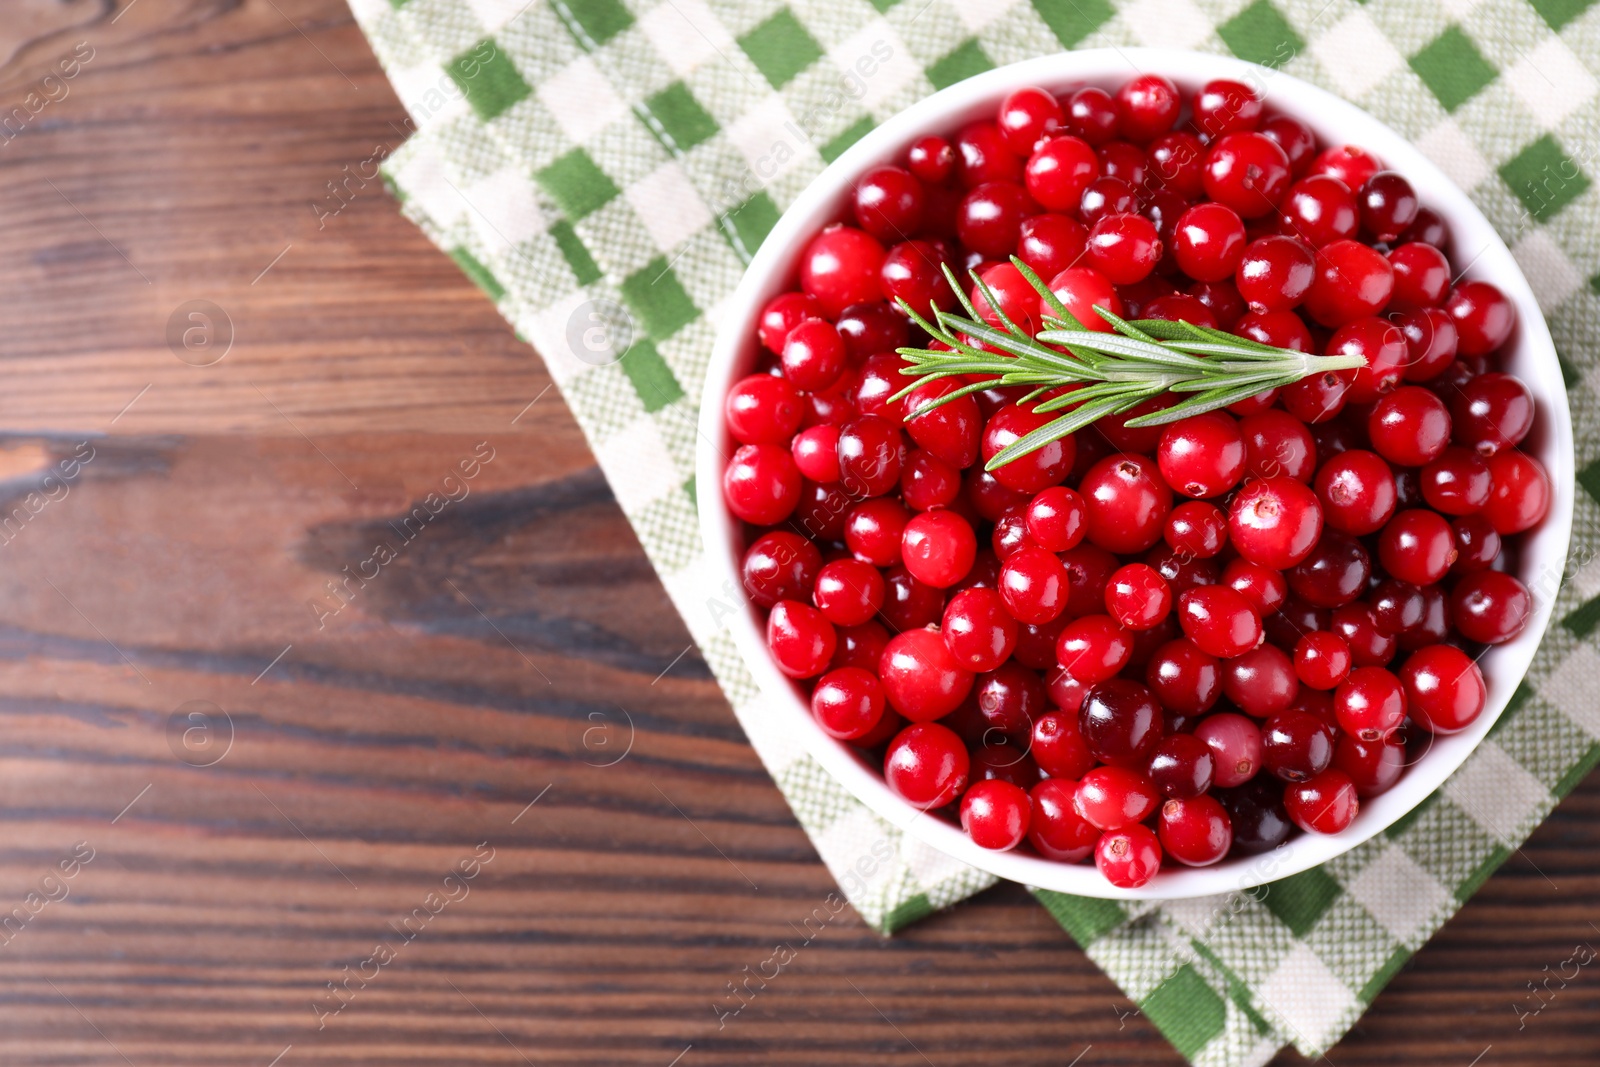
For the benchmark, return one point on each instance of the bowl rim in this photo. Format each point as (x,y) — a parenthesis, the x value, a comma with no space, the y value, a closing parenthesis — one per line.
(1531,354)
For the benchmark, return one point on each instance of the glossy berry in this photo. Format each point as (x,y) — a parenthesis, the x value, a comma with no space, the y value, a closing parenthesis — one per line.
(1055,519)
(1196,529)
(1278,444)
(1409,427)
(1296,745)
(982,155)
(1050,243)
(949,431)
(840,267)
(921,679)
(1182,766)
(780,565)
(1483,316)
(1492,412)
(1202,455)
(1219,621)
(1457,482)
(1370,704)
(1294,137)
(1260,823)
(1519,495)
(1263,588)
(1248,172)
(1081,290)
(1350,164)
(761,484)
(1129,857)
(995,814)
(989,220)
(1040,468)
(1417,546)
(813,355)
(1126,502)
(1322,659)
(1208,242)
(938,548)
(1147,107)
(1120,723)
(1110,798)
(1445,691)
(1334,574)
(847,703)
(926,765)
(1186,680)
(763,410)
(931,159)
(1033,584)
(1059,171)
(1421,276)
(1223,106)
(1235,744)
(978,630)
(1357,492)
(1319,210)
(1490,607)
(1260,682)
(1388,205)
(780,315)
(1196,832)
(1373,766)
(1352,282)
(1055,829)
(1325,804)
(869,455)
(1027,115)
(1275,522)
(801,639)
(1137,597)
(1275,273)
(1124,248)
(1093,648)
(888,204)
(874,531)
(848,592)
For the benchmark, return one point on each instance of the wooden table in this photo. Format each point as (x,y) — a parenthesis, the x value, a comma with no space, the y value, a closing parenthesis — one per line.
(268,787)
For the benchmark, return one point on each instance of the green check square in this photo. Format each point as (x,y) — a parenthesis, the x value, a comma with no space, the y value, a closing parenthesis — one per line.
(652,379)
(1560,12)
(1453,68)
(584,268)
(781,48)
(1583,619)
(576,184)
(847,137)
(1545,178)
(1262,35)
(1087,919)
(481,276)
(959,65)
(659,299)
(753,220)
(600,20)
(487,78)
(1186,1010)
(1072,20)
(1300,899)
(684,123)
(883,5)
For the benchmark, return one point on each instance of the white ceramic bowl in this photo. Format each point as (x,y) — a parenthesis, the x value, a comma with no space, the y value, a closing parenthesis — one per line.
(1530,355)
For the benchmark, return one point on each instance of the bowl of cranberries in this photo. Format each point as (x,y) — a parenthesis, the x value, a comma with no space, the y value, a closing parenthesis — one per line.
(1154,660)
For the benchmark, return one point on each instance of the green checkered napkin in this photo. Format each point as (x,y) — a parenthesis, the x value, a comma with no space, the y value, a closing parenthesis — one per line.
(604,170)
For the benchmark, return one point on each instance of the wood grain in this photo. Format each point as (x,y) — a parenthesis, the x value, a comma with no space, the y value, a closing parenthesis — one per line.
(355,757)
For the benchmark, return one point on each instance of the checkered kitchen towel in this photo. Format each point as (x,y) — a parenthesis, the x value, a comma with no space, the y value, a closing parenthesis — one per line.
(605,168)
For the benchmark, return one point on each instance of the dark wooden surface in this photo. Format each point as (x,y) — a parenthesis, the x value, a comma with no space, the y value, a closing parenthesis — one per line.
(490,664)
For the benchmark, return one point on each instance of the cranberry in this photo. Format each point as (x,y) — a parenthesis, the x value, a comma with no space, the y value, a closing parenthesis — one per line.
(847,703)
(1182,766)
(1417,546)
(1262,587)
(869,329)
(1278,444)
(995,814)
(860,646)
(813,355)
(1421,276)
(1005,762)
(874,530)
(1429,228)
(1222,106)
(911,272)
(1226,305)
(1184,679)
(761,484)
(1296,745)
(1490,607)
(1147,107)
(1410,426)
(984,493)
(1275,273)
(1357,491)
(848,592)
(1110,798)
(802,641)
(1383,345)
(869,455)
(1129,857)
(977,629)
(1256,810)
(1294,137)
(1197,529)
(1203,455)
(1492,412)
(1335,573)
(921,678)
(1318,398)
(1196,832)
(1040,468)
(1137,597)
(1322,659)
(1124,248)
(1275,522)
(1351,165)
(1520,496)
(907,603)
(821,511)
(1208,242)
(1435,624)
(1248,172)
(1056,829)
(1457,482)
(931,159)
(1006,700)
(926,765)
(1059,748)
(1319,211)
(1325,804)
(1483,316)
(989,221)
(1055,519)
(1235,744)
(763,410)
(816,452)
(1369,645)
(1093,648)
(780,315)
(888,203)
(1122,159)
(840,267)
(1388,205)
(1177,163)
(1373,766)
(1430,342)
(1091,115)
(938,548)
(1125,502)
(1026,116)
(1059,171)
(1444,689)
(1033,583)
(1477,544)
(1107,195)
(982,155)
(1219,621)
(1051,243)
(779,566)
(1352,282)
(1370,704)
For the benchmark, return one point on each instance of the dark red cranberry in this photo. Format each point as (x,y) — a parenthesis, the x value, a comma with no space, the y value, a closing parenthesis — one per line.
(1260,682)
(907,603)
(1296,745)
(1334,574)
(1121,723)
(1388,205)
(1184,679)
(1326,804)
(1260,821)
(1294,137)
(1182,766)
(1490,607)
(1492,412)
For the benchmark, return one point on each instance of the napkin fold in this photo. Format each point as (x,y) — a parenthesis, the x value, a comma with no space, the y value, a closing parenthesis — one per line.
(604,169)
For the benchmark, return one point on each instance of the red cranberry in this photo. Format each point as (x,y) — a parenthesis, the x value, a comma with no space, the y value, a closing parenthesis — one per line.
(1319,211)
(1351,165)
(763,410)
(907,603)
(816,452)
(860,646)
(1026,116)
(840,267)
(848,592)
(1222,106)
(1369,645)
(1033,583)
(1295,138)
(978,630)
(1429,228)
(1370,704)
(922,680)
(1457,483)
(1352,282)
(911,272)
(1208,242)
(1410,426)
(1137,597)
(1417,546)
(1296,745)
(1129,857)
(1051,243)
(1421,276)
(802,641)
(780,315)
(1059,171)
(1196,528)
(1324,805)
(1182,766)
(1081,290)
(1059,748)
(931,159)
(1124,248)
(1126,503)
(779,566)
(1219,621)
(989,221)
(1223,299)
(1397,606)
(1357,491)
(888,203)
(949,431)
(1248,172)
(1107,195)
(821,511)
(1477,544)
(1492,412)
(938,548)
(1007,699)
(1147,107)
(1373,766)
(1203,455)
(1177,163)
(1122,159)
(1275,522)
(814,355)
(1444,689)
(1091,115)
(982,155)
(988,497)
(1055,518)
(1490,607)
(1275,273)
(1260,682)
(761,484)
(926,765)
(1110,798)
(1483,316)
(1383,345)
(1278,444)
(995,814)
(847,703)
(869,455)
(1196,832)
(1322,659)
(1235,744)
(874,530)
(1056,829)
(1262,587)
(1038,469)
(1520,496)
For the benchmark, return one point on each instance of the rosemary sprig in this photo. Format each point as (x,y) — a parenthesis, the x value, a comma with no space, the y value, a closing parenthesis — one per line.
(1103,373)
